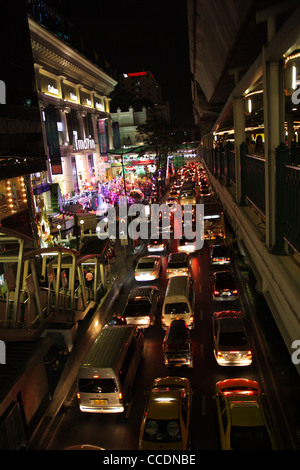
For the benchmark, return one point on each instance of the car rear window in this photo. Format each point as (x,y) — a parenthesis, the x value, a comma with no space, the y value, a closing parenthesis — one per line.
(145,264)
(225,281)
(178,307)
(250,438)
(232,338)
(220,251)
(94,385)
(177,264)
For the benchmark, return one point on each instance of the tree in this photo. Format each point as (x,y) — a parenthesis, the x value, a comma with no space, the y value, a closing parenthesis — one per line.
(163,137)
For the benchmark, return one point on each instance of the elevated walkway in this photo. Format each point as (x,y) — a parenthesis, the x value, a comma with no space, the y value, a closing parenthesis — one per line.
(278,277)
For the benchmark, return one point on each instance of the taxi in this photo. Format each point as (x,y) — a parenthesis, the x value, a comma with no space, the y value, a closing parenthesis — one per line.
(166,420)
(244,421)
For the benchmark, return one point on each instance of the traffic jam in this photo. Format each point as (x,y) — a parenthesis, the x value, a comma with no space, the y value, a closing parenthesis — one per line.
(107,377)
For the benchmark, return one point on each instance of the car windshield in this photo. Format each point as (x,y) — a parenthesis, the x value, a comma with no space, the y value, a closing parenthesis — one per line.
(178,307)
(250,437)
(162,430)
(232,338)
(92,385)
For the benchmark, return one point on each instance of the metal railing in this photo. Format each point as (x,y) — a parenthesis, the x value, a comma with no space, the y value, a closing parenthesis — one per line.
(221,162)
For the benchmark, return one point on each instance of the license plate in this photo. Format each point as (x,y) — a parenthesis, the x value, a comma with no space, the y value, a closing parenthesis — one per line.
(99,402)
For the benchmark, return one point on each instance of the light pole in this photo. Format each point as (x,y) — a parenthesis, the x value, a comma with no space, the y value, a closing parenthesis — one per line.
(81,228)
(59,233)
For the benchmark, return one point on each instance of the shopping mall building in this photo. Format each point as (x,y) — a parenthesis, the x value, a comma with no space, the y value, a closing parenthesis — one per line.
(74,99)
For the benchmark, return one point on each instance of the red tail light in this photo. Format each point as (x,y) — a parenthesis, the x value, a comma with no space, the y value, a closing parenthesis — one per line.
(216,292)
(235,291)
(78,396)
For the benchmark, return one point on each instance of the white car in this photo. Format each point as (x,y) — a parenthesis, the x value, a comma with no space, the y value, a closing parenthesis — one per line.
(148,268)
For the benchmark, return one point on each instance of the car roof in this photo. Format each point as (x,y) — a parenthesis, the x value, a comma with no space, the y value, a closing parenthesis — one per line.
(231,324)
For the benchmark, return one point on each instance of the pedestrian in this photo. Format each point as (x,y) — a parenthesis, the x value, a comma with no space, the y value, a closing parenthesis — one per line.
(89,279)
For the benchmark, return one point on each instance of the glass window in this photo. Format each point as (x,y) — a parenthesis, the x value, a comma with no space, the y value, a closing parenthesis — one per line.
(97,385)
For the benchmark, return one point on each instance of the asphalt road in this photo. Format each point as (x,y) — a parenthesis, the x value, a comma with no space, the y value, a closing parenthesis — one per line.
(121,432)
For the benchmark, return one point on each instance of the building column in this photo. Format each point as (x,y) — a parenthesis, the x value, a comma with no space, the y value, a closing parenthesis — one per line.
(239,138)
(273,101)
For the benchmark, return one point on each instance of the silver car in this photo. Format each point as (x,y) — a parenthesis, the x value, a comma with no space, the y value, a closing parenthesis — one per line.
(179,264)
(231,343)
(148,268)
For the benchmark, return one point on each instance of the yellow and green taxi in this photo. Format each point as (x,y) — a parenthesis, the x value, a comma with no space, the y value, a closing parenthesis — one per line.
(166,420)
(244,421)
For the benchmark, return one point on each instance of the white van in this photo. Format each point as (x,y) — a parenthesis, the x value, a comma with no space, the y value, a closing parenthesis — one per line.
(179,301)
(106,376)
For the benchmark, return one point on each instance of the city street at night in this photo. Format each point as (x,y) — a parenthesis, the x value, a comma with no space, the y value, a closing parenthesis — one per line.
(149,230)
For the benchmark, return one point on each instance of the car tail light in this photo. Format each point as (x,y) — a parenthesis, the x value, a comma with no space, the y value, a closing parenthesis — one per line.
(249,355)
(163,319)
(235,291)
(136,274)
(185,270)
(216,292)
(120,397)
(227,259)
(153,272)
(219,355)
(78,396)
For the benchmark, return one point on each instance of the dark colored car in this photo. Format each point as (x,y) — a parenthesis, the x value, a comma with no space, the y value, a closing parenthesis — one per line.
(141,306)
(224,286)
(220,254)
(177,345)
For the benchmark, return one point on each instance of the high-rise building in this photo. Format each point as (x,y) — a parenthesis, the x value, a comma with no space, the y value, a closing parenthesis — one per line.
(145,89)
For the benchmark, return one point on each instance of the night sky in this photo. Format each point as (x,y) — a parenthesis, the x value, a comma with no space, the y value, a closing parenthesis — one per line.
(135,36)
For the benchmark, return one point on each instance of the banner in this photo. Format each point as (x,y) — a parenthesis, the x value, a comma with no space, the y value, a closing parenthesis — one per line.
(102,137)
(53,140)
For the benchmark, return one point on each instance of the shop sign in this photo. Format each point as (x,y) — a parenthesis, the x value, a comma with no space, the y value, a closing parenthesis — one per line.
(83,144)
(86,98)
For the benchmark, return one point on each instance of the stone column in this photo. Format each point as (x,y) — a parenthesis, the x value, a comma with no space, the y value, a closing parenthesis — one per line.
(239,138)
(273,102)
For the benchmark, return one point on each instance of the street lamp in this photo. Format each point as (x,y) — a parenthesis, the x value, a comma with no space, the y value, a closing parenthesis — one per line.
(59,232)
(81,229)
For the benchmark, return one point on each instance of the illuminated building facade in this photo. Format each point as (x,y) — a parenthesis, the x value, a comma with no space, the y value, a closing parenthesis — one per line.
(73,96)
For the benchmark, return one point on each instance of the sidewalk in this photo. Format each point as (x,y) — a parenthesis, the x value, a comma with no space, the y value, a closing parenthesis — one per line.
(123,262)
